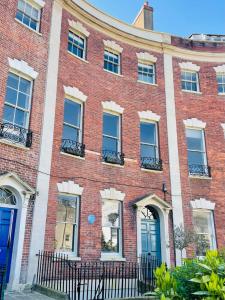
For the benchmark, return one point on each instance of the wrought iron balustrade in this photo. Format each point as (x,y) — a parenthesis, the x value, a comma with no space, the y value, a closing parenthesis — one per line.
(113,157)
(151,163)
(199,170)
(72,147)
(16,134)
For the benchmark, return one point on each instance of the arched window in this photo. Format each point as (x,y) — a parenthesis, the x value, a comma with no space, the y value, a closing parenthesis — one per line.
(7,197)
(148,212)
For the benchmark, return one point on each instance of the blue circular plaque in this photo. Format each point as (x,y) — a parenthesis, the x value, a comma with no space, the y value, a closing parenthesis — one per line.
(91,219)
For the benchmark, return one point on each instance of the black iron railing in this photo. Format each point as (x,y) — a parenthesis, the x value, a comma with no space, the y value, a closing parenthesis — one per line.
(113,157)
(199,170)
(151,163)
(16,134)
(73,147)
(96,280)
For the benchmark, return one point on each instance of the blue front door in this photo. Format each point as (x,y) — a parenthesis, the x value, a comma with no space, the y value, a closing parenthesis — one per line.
(150,233)
(7,230)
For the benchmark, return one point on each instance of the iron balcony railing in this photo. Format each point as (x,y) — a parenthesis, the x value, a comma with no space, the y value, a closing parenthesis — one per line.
(113,157)
(199,170)
(16,134)
(72,147)
(151,163)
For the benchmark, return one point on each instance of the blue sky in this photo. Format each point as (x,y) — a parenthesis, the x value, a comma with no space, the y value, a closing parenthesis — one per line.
(178,17)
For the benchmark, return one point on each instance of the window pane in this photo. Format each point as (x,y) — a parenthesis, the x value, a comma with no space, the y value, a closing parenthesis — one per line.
(21,5)
(20,118)
(110,144)
(23,101)
(110,239)
(64,237)
(8,114)
(110,213)
(202,222)
(11,96)
(70,133)
(111,125)
(148,151)
(196,158)
(72,113)
(25,86)
(195,139)
(13,81)
(148,133)
(66,211)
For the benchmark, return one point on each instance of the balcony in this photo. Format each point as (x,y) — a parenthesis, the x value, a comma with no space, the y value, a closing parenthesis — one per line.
(151,163)
(199,170)
(113,157)
(16,134)
(72,147)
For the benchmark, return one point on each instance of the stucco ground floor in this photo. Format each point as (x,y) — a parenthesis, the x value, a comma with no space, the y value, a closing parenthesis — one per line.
(89,222)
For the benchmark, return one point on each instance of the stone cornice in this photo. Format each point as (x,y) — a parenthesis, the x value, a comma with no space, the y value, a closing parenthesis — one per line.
(22,68)
(146,57)
(75,93)
(69,187)
(112,194)
(220,69)
(148,116)
(77,26)
(202,203)
(112,106)
(194,123)
(112,45)
(189,66)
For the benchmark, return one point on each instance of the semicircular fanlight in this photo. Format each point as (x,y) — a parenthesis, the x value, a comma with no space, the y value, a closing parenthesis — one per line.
(7,197)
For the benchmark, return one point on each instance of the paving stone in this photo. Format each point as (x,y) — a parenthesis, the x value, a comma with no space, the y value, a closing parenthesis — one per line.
(26,296)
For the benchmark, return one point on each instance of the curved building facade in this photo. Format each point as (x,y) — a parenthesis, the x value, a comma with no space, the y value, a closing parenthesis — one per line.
(132,140)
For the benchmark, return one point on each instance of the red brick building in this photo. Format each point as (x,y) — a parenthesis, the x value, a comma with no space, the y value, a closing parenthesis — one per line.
(128,134)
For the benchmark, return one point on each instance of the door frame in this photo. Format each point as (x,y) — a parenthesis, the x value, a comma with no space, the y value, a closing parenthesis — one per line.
(22,192)
(163,208)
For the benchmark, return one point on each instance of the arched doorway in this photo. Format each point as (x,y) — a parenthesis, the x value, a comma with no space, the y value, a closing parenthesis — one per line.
(8,214)
(150,232)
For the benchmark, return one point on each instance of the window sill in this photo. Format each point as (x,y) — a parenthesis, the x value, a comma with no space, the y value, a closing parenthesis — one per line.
(37,32)
(70,256)
(148,83)
(221,94)
(19,146)
(200,177)
(74,156)
(82,59)
(192,92)
(111,257)
(151,171)
(113,73)
(113,165)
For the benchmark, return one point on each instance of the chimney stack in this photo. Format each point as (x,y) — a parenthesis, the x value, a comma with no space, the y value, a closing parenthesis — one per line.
(144,19)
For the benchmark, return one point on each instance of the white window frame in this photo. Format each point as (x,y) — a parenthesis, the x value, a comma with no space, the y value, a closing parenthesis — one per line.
(212,233)
(112,255)
(147,65)
(38,8)
(157,137)
(81,36)
(15,106)
(80,140)
(204,145)
(119,61)
(184,80)
(119,142)
(222,84)
(75,244)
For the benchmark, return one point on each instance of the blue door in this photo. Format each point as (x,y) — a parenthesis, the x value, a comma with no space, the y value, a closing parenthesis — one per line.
(150,232)
(7,231)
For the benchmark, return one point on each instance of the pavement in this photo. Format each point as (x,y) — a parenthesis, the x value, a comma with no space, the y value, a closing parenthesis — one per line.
(26,296)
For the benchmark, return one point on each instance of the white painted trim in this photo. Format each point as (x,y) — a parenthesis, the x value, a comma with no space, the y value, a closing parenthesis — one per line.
(112,107)
(22,192)
(175,177)
(22,68)
(163,208)
(194,123)
(112,45)
(189,66)
(77,26)
(220,69)
(45,160)
(223,126)
(146,57)
(148,116)
(74,93)
(38,3)
(69,187)
(202,203)
(112,194)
